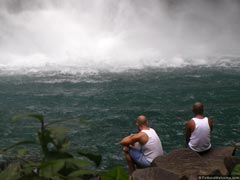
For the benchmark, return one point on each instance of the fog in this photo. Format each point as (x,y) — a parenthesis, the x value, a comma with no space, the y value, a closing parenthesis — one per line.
(111,33)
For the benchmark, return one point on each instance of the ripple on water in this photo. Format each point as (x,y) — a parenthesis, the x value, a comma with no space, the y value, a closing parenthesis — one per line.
(110,107)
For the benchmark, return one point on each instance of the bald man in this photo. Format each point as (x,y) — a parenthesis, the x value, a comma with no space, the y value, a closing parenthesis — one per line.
(141,148)
(198,130)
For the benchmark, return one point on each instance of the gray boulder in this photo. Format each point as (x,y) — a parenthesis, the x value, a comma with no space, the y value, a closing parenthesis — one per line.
(184,164)
(231,162)
(156,173)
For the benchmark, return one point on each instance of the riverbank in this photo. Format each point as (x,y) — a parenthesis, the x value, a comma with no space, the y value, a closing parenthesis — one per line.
(185,164)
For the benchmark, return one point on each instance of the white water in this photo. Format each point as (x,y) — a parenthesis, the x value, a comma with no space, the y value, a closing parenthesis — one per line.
(83,35)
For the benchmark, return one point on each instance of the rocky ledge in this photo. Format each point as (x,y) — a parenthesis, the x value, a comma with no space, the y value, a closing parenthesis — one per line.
(185,164)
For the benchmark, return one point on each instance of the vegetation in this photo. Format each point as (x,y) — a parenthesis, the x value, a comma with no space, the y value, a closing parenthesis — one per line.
(56,163)
(236,170)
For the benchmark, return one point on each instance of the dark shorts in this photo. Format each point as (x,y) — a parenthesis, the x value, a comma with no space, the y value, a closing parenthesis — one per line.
(138,156)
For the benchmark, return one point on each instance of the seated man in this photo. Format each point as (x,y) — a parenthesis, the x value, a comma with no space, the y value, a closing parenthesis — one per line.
(198,130)
(143,147)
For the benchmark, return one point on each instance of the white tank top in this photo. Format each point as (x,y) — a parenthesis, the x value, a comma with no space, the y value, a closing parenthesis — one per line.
(153,147)
(200,137)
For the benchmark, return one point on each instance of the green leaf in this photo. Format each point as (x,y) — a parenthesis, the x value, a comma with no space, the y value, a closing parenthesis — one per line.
(51,168)
(116,173)
(55,178)
(58,155)
(77,163)
(81,173)
(54,143)
(20,143)
(33,177)
(21,152)
(62,167)
(96,158)
(76,178)
(59,136)
(236,170)
(72,165)
(35,116)
(11,172)
(64,120)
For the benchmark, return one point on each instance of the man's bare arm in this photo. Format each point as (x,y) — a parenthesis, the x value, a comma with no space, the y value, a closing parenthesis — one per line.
(210,122)
(189,128)
(130,140)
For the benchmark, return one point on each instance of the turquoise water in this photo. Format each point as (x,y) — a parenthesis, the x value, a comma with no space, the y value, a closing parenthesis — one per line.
(110,102)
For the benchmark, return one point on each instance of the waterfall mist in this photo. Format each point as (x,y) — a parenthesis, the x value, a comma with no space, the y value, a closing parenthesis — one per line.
(112,34)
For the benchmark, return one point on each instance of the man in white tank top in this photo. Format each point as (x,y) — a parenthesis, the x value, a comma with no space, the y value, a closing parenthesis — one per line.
(198,130)
(141,148)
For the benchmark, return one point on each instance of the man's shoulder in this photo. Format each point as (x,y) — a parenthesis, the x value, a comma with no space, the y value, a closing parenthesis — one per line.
(139,134)
(142,134)
(148,130)
(190,123)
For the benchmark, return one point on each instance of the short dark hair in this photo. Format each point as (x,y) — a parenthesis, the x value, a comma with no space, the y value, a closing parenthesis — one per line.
(197,108)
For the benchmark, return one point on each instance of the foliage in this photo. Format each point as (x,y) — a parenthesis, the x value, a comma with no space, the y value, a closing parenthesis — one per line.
(116,173)
(236,170)
(56,163)
(94,157)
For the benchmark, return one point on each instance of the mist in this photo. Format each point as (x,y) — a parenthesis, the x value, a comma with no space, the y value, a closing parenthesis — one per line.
(113,34)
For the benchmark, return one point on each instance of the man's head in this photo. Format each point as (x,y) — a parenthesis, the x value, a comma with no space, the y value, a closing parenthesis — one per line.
(197,108)
(141,122)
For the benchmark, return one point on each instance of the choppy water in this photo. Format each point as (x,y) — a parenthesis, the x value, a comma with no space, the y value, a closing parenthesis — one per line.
(110,102)
(74,60)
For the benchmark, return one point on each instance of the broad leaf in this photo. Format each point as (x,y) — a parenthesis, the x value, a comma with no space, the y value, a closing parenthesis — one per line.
(77,163)
(11,173)
(35,116)
(64,120)
(62,167)
(59,138)
(236,170)
(81,173)
(51,168)
(33,177)
(116,173)
(72,165)
(21,152)
(20,143)
(96,158)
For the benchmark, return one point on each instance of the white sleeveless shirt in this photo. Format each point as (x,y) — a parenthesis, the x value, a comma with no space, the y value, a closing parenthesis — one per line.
(153,147)
(200,137)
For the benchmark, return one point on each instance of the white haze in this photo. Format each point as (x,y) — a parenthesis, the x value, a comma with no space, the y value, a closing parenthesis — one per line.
(116,34)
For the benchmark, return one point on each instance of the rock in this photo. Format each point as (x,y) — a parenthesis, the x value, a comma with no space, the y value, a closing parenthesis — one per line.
(215,159)
(237,144)
(184,162)
(156,173)
(231,162)
(187,164)
(220,152)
